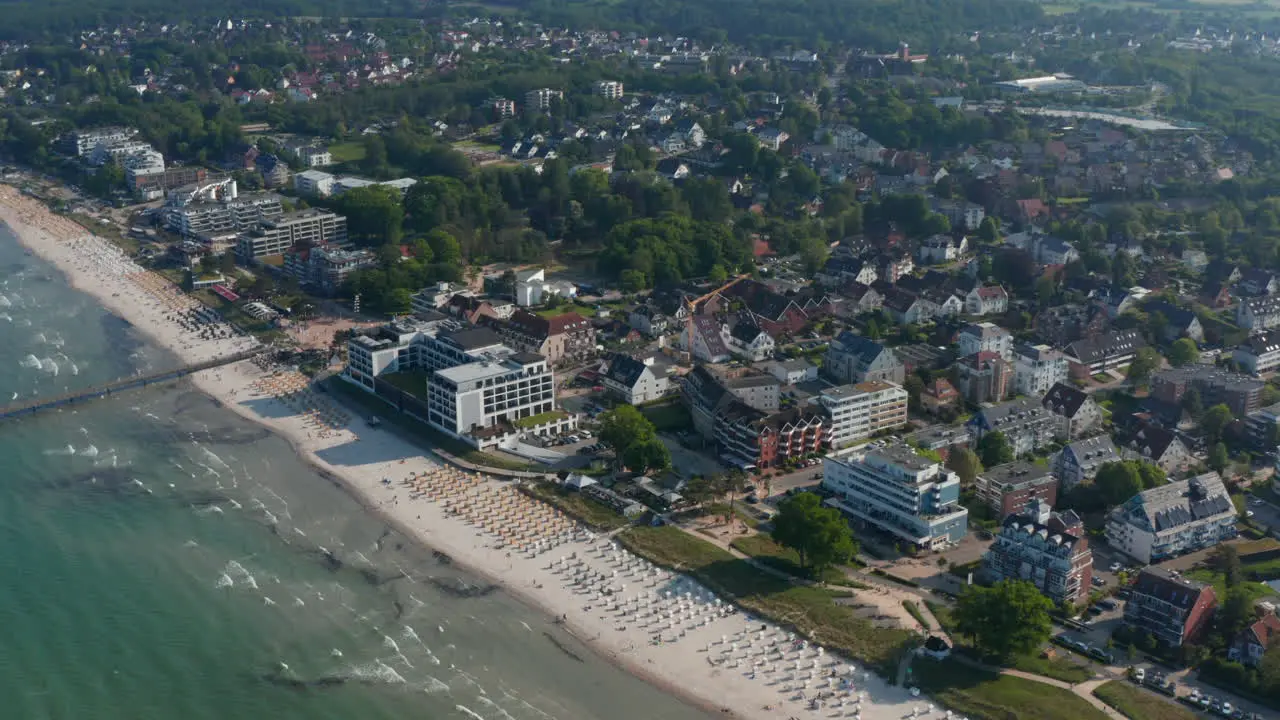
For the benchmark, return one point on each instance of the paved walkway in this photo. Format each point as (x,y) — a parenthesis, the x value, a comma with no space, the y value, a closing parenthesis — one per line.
(1084,689)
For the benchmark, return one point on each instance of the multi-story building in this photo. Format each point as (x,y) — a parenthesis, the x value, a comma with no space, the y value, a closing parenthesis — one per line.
(1259,354)
(1172,608)
(232,214)
(475,388)
(1036,368)
(314,156)
(1252,643)
(564,338)
(1158,446)
(986,300)
(503,108)
(854,358)
(1008,488)
(1241,393)
(1024,422)
(900,492)
(985,337)
(1078,415)
(315,183)
(1261,313)
(1173,519)
(749,341)
(326,268)
(82,142)
(541,99)
(142,164)
(609,89)
(1102,352)
(708,389)
(862,410)
(1079,461)
(1263,427)
(312,227)
(154,186)
(1062,325)
(983,377)
(748,438)
(1049,550)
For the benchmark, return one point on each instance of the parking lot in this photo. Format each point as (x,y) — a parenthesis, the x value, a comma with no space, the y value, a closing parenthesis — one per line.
(1205,698)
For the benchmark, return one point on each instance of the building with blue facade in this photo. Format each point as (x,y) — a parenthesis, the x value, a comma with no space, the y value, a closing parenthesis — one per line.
(900,492)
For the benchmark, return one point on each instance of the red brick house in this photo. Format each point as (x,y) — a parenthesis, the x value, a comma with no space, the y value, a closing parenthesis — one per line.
(749,436)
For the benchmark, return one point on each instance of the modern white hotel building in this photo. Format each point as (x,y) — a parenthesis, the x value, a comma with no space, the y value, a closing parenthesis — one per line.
(475,388)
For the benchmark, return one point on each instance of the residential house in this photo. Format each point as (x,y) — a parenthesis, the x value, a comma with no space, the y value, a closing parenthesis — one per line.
(938,394)
(1257,282)
(1259,354)
(790,372)
(1175,610)
(691,133)
(1103,352)
(532,288)
(906,307)
(772,138)
(983,377)
(1008,488)
(857,299)
(986,300)
(1158,446)
(749,438)
(1118,300)
(961,214)
(1024,423)
(854,358)
(838,271)
(1079,414)
(707,343)
(1262,313)
(1180,322)
(749,341)
(942,303)
(1216,295)
(1254,641)
(1047,549)
(1036,368)
(634,381)
(649,320)
(985,337)
(1079,461)
(941,249)
(900,492)
(566,338)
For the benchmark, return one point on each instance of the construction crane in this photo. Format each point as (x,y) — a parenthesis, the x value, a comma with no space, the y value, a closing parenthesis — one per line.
(691,307)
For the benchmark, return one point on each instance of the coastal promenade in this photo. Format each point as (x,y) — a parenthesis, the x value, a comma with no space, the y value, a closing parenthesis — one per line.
(108,389)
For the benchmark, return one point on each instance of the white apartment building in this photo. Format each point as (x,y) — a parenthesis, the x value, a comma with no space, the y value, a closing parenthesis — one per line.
(141,164)
(314,227)
(1173,519)
(985,337)
(1260,353)
(315,183)
(82,142)
(532,288)
(1262,313)
(315,156)
(1036,368)
(541,98)
(117,152)
(236,213)
(862,410)
(476,388)
(900,492)
(609,89)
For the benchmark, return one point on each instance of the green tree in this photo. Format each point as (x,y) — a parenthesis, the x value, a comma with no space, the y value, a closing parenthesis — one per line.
(649,455)
(634,440)
(964,462)
(444,247)
(1192,403)
(1269,671)
(1215,420)
(1145,362)
(374,214)
(1219,458)
(1116,482)
(994,449)
(820,535)
(1009,618)
(1226,560)
(1183,351)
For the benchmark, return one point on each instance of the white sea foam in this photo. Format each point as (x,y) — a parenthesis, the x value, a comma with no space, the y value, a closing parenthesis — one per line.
(90,452)
(30,361)
(224,580)
(434,686)
(6,317)
(68,450)
(5,302)
(468,711)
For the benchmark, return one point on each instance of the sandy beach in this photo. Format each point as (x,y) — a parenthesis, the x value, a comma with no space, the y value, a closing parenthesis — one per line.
(660,625)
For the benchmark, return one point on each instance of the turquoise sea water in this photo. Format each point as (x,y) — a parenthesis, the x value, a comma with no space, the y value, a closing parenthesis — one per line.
(164,559)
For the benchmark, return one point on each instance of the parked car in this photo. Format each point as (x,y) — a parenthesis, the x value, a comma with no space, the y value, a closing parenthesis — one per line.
(1098,582)
(1139,675)
(1107,604)
(1115,567)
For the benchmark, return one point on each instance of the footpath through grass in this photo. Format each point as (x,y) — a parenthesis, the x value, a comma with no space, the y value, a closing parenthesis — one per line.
(764,550)
(1138,704)
(812,611)
(985,695)
(1058,667)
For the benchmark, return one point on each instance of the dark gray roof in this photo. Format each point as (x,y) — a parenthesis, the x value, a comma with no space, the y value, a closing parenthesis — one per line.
(865,348)
(527,358)
(625,370)
(1107,344)
(1177,591)
(1064,400)
(746,332)
(473,338)
(1177,317)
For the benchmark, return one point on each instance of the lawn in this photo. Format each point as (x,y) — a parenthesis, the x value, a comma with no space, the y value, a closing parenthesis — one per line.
(811,611)
(767,552)
(668,416)
(541,418)
(1256,590)
(573,504)
(987,696)
(347,152)
(1138,704)
(1058,668)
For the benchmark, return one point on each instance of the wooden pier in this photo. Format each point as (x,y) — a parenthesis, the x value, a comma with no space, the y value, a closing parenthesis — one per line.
(79,397)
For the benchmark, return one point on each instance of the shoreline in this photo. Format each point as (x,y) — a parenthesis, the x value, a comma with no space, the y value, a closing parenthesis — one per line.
(369,464)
